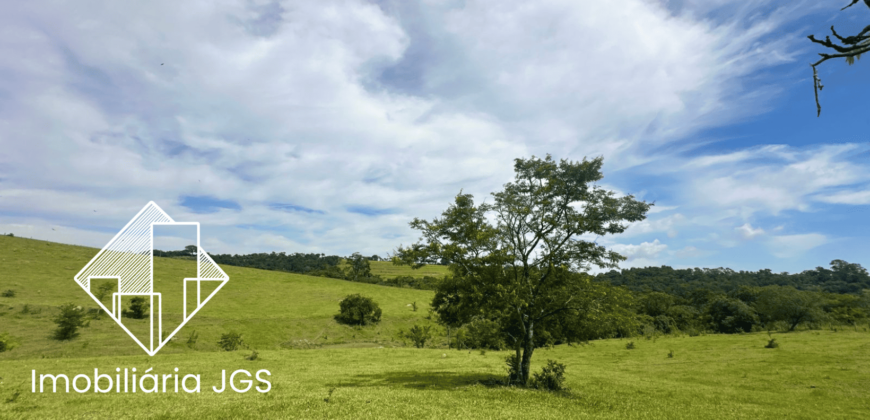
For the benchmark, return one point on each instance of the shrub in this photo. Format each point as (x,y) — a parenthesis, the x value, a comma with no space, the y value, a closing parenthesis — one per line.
(419,335)
(6,343)
(772,344)
(8,293)
(138,308)
(230,341)
(69,320)
(191,339)
(358,310)
(630,345)
(551,377)
(512,365)
(103,290)
(664,323)
(483,334)
(732,316)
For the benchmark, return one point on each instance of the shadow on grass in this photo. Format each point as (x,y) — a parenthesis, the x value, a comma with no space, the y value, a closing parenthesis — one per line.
(422,380)
(436,381)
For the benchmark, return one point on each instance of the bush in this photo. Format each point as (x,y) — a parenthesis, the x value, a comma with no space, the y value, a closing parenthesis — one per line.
(231,341)
(512,365)
(772,344)
(732,316)
(191,339)
(358,310)
(664,323)
(8,293)
(6,343)
(70,319)
(483,334)
(138,308)
(419,335)
(551,378)
(630,345)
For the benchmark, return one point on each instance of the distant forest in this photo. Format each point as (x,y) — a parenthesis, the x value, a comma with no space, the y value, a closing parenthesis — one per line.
(659,299)
(276,261)
(842,278)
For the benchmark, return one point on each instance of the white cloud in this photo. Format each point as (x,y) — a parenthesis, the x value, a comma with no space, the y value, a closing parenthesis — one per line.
(846,197)
(666,224)
(645,250)
(661,209)
(778,178)
(747,232)
(108,106)
(788,246)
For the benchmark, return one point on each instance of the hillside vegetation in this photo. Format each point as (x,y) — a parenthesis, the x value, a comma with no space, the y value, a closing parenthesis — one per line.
(319,370)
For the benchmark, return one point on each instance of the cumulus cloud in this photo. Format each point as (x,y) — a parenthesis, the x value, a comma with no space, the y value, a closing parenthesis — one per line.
(329,125)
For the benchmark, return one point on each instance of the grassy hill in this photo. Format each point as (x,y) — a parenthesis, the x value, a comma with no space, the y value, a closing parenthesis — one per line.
(813,374)
(269,308)
(387,270)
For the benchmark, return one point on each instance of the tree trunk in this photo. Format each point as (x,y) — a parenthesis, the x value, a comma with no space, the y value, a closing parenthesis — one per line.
(448,339)
(525,365)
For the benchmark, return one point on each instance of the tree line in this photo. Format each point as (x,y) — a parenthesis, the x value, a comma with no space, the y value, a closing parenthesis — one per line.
(843,277)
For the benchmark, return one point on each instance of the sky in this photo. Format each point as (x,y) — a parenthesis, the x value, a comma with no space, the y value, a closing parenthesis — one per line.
(328,126)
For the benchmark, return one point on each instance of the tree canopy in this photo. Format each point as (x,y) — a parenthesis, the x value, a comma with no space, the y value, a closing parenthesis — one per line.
(524,269)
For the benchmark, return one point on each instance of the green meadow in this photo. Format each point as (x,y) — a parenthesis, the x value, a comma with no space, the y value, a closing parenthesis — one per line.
(320,369)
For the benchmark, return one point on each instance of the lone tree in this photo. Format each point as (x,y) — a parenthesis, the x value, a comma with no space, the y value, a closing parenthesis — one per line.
(358,266)
(525,271)
(850,48)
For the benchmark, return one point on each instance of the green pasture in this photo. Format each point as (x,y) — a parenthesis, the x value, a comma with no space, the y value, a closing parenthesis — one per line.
(320,369)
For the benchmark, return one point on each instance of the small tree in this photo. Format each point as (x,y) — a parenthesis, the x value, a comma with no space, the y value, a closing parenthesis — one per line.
(191,250)
(138,308)
(521,260)
(419,335)
(69,320)
(787,304)
(358,310)
(358,266)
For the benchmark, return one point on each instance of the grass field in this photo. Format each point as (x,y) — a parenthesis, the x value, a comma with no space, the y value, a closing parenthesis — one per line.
(372,374)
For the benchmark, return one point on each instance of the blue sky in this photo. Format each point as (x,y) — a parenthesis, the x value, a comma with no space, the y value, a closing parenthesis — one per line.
(327,126)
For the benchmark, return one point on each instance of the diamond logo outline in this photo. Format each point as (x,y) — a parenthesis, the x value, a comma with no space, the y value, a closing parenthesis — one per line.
(125,258)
